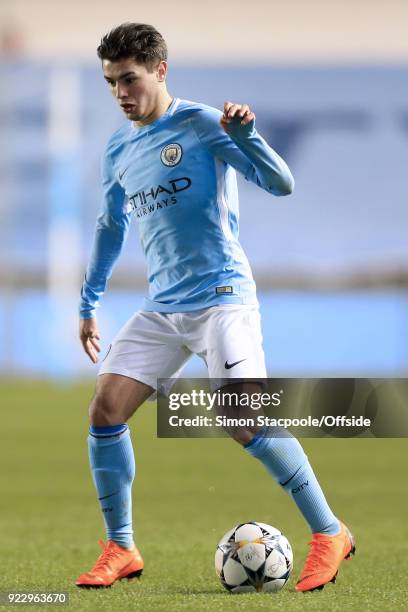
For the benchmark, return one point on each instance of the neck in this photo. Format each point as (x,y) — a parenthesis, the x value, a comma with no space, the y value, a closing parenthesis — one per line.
(161,107)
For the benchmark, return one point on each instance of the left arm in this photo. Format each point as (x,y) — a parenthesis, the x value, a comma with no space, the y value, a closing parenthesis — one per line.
(233,138)
(269,171)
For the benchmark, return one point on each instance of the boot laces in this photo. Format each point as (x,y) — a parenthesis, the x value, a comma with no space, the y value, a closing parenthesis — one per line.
(317,556)
(109,554)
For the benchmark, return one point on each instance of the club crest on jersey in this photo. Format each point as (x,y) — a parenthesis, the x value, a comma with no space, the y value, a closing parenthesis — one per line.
(171,154)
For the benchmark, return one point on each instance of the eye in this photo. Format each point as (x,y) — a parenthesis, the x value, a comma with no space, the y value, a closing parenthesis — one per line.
(130,80)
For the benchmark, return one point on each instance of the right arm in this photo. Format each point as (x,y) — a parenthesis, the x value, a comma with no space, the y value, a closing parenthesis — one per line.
(111,232)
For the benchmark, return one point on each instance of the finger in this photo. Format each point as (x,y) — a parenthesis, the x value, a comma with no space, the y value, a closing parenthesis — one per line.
(227,106)
(95,344)
(248,118)
(94,335)
(232,111)
(90,351)
(87,335)
(244,108)
(86,345)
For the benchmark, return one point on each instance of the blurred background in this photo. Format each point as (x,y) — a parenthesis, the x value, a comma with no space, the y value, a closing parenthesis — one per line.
(328,81)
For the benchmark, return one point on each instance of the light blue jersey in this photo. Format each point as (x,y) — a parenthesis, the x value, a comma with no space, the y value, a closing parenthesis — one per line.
(176,177)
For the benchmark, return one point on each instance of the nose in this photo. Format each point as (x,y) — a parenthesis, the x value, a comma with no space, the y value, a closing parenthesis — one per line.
(120,91)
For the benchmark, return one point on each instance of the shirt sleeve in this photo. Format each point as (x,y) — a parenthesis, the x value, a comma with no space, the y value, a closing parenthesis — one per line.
(112,227)
(245,150)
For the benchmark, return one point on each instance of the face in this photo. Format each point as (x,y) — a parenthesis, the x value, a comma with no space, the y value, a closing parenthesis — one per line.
(136,89)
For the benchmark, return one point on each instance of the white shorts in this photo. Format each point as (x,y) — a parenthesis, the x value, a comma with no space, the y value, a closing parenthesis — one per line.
(154,345)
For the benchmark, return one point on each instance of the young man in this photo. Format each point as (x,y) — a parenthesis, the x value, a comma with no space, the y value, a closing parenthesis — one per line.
(172,168)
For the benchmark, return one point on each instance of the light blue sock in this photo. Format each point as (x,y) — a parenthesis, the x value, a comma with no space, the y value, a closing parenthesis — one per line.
(113,470)
(285,460)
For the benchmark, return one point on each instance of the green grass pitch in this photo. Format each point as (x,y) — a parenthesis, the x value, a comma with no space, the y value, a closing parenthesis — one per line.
(187,493)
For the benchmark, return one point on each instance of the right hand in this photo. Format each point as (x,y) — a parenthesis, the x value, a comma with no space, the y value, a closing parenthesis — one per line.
(89,336)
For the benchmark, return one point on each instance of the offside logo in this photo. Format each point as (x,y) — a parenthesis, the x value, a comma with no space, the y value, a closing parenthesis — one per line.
(171,154)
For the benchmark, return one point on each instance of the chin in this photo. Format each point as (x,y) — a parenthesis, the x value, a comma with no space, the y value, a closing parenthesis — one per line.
(132,115)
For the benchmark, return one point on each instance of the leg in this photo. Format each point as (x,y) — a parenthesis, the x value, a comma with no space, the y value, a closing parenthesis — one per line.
(113,470)
(146,348)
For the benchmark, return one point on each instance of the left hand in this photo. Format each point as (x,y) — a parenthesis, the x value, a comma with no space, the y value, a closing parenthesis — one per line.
(233,111)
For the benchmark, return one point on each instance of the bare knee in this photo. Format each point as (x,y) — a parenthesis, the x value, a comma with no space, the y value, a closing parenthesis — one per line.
(238,415)
(116,399)
(102,410)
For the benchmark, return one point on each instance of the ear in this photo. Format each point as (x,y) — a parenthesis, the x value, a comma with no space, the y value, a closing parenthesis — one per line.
(161,71)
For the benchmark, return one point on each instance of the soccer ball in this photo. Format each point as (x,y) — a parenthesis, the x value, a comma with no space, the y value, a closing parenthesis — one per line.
(253,557)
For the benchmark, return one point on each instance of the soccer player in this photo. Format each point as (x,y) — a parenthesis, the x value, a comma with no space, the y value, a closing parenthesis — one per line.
(172,168)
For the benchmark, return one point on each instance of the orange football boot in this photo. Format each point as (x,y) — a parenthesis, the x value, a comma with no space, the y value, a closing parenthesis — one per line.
(324,559)
(113,564)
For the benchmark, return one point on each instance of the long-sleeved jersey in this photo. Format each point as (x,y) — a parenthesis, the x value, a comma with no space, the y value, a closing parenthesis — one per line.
(176,177)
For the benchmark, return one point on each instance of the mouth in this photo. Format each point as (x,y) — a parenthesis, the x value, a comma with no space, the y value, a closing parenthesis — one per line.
(128,108)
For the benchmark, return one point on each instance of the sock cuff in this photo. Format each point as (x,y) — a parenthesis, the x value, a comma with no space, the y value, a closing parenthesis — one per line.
(261,434)
(259,444)
(108,432)
(265,434)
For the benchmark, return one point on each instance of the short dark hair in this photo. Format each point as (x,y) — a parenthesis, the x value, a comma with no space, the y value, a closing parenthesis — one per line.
(139,41)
